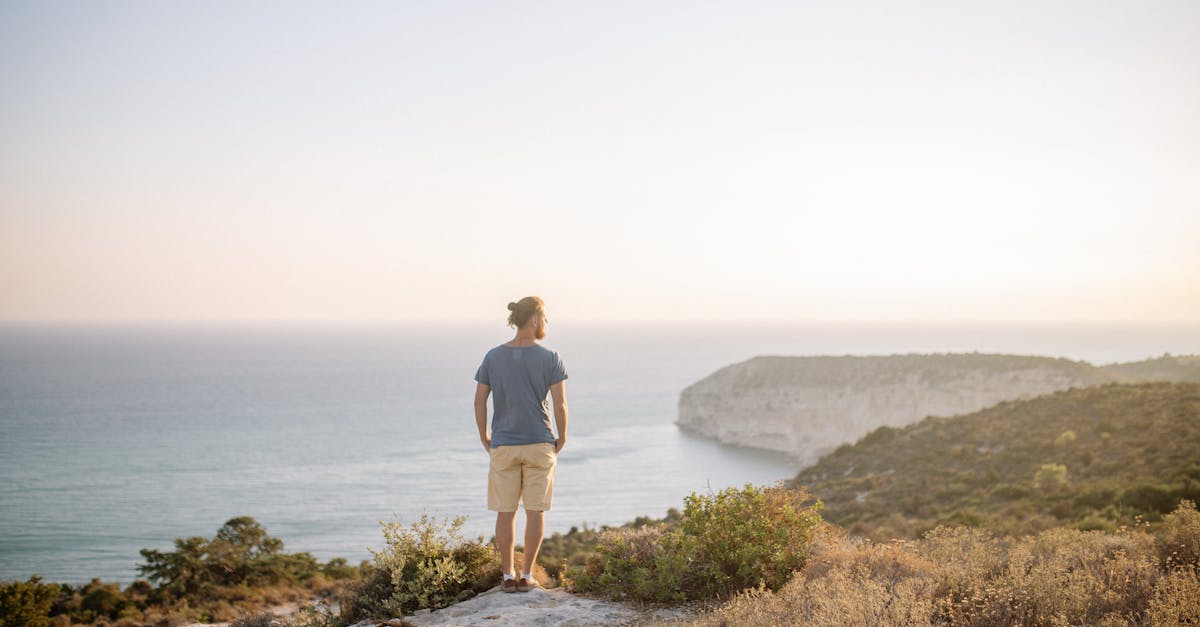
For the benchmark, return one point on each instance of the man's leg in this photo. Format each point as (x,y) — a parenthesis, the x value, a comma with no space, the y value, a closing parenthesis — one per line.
(535,526)
(504,492)
(506,523)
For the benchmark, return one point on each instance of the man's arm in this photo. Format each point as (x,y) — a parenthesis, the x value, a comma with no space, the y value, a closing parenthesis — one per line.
(559,393)
(481,396)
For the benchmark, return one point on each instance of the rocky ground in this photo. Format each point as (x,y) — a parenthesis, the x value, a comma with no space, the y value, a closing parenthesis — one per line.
(540,607)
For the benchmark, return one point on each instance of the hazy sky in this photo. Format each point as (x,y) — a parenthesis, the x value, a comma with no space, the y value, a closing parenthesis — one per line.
(434,160)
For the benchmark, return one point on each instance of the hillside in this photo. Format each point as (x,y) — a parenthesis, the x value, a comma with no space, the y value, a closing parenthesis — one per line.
(808,406)
(1090,458)
(1165,368)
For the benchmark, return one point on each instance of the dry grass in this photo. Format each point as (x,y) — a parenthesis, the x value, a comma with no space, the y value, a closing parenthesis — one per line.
(964,576)
(847,582)
(1176,599)
(1179,537)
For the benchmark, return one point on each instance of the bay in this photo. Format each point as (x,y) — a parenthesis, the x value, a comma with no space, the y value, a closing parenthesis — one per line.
(117,437)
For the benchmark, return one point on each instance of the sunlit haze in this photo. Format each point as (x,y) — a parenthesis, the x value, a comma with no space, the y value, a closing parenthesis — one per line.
(393,161)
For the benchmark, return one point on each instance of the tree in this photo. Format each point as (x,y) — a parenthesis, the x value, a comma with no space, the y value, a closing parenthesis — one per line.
(180,572)
(240,554)
(241,550)
(26,604)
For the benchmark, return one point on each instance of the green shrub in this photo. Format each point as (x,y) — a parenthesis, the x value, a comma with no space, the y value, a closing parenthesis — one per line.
(1095,523)
(102,600)
(1151,499)
(339,568)
(241,554)
(724,543)
(630,562)
(424,565)
(1050,476)
(559,549)
(26,603)
(743,538)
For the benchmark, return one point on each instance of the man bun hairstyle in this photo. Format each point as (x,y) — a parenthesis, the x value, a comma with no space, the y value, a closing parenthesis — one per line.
(524,310)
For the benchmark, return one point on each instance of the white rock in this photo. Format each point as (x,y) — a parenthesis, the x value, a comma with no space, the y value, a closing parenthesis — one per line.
(536,608)
(808,406)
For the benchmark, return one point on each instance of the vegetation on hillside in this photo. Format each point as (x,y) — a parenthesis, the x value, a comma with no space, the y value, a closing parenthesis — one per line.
(965,576)
(723,543)
(425,565)
(817,371)
(240,570)
(1091,458)
(562,550)
(1181,368)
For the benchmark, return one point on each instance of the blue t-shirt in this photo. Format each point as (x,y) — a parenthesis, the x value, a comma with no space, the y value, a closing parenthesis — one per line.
(520,379)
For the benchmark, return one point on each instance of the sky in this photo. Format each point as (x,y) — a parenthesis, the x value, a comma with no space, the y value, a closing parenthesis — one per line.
(786,161)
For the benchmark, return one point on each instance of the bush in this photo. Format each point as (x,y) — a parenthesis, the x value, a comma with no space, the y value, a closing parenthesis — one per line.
(724,543)
(425,565)
(338,568)
(26,603)
(743,538)
(631,562)
(102,600)
(559,549)
(1151,498)
(1050,476)
(1179,537)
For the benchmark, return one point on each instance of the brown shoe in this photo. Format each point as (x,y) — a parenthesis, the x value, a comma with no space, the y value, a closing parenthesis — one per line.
(509,585)
(525,585)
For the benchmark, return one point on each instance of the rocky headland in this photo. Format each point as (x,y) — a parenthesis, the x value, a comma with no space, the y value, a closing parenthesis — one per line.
(808,406)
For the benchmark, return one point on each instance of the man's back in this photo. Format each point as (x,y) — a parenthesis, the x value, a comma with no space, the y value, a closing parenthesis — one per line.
(520,378)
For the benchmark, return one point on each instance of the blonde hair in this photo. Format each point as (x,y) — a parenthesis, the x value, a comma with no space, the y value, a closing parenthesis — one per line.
(525,309)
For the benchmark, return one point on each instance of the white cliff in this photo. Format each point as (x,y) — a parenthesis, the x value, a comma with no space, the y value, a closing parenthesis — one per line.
(808,406)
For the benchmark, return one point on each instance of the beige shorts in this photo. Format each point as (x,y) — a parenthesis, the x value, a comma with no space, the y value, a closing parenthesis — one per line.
(521,472)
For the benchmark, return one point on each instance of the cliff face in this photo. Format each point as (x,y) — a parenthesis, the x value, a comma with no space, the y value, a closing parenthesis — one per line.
(808,406)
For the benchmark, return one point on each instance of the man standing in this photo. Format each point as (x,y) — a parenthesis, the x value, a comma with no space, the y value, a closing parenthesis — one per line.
(523,449)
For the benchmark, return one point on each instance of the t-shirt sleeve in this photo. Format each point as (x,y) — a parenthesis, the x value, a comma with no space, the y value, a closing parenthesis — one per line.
(481,375)
(558,372)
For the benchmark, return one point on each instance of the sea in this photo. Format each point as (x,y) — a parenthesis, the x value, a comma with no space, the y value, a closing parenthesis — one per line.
(119,437)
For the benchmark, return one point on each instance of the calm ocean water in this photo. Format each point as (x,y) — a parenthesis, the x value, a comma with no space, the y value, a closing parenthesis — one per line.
(117,438)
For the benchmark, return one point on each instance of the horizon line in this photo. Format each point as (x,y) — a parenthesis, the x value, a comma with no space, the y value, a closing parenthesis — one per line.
(590,320)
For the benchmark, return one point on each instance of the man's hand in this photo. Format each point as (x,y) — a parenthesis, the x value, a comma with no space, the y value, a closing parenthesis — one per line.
(481,395)
(559,392)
